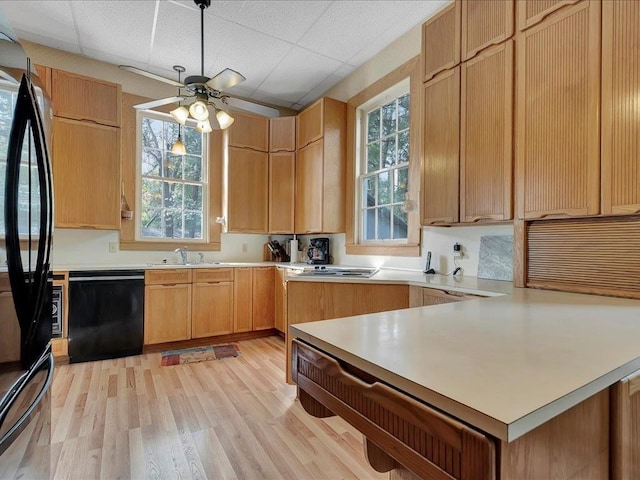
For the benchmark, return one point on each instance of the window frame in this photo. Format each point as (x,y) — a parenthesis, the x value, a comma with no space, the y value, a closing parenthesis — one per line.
(411,247)
(206,183)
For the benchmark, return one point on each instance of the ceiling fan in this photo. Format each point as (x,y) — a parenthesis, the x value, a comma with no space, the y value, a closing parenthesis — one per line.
(203,92)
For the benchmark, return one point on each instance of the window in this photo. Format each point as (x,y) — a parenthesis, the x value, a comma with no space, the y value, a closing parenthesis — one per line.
(172,189)
(384,166)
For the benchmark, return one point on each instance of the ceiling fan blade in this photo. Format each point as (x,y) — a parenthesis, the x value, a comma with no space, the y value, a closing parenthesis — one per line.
(157,103)
(251,107)
(144,73)
(227,78)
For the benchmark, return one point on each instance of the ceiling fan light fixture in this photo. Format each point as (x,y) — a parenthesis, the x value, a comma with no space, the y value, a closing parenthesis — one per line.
(204,126)
(178,147)
(180,114)
(224,119)
(199,110)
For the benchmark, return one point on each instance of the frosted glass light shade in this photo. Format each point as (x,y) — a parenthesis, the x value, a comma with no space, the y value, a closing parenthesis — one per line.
(224,119)
(199,110)
(178,147)
(204,126)
(180,114)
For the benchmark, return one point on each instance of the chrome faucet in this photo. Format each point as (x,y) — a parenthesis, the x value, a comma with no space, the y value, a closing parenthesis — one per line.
(183,254)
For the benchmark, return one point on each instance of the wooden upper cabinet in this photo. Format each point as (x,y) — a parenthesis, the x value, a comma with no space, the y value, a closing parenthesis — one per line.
(263,298)
(311,123)
(44,73)
(248,178)
(532,12)
(309,189)
(486,160)
(620,119)
(557,125)
(282,134)
(249,131)
(86,175)
(441,40)
(441,143)
(282,192)
(485,23)
(83,98)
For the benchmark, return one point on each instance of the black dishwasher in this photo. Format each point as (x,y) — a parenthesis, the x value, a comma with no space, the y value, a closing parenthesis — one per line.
(106,314)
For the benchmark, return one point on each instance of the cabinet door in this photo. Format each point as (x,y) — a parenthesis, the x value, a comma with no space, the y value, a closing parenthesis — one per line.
(10,338)
(249,131)
(86,175)
(282,134)
(263,298)
(282,181)
(532,12)
(280,299)
(620,119)
(247,196)
(211,309)
(441,41)
(485,23)
(309,187)
(243,299)
(44,73)
(441,140)
(311,123)
(84,98)
(167,313)
(486,161)
(558,93)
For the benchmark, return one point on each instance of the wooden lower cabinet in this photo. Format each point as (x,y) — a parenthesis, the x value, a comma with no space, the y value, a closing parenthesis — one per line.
(242,297)
(211,309)
(167,313)
(313,301)
(263,298)
(280,285)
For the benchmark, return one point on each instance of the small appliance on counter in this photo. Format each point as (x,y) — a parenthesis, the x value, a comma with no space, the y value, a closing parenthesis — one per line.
(318,251)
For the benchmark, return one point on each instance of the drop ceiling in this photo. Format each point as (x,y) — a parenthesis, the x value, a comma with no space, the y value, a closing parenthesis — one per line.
(291,52)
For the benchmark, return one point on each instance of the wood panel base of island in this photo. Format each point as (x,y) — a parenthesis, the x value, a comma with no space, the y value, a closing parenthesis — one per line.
(412,440)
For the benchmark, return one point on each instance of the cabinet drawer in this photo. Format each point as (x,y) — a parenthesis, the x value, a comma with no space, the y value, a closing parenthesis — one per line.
(213,275)
(167,277)
(435,443)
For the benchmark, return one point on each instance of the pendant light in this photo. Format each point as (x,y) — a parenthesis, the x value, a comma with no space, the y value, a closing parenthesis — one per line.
(178,147)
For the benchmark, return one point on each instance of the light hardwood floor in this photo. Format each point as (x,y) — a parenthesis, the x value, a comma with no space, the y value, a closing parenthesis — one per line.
(230,418)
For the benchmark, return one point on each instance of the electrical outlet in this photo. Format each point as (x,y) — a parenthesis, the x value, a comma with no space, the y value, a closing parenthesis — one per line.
(113,247)
(457,250)
(245,248)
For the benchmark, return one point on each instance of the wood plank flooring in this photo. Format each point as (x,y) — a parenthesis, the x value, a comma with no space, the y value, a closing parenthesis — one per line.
(234,418)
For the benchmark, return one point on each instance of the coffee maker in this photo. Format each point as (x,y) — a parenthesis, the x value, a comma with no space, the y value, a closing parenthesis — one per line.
(318,251)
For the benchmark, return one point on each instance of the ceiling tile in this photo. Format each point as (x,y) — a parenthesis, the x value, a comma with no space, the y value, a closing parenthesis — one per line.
(299,72)
(102,27)
(343,72)
(42,20)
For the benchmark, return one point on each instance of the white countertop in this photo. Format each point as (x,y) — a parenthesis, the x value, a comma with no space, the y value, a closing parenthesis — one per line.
(504,364)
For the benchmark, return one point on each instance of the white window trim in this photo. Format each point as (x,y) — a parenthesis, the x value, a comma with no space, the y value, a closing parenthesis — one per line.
(399,89)
(205,175)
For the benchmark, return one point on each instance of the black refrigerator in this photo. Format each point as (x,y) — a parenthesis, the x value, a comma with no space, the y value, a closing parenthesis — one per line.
(26,362)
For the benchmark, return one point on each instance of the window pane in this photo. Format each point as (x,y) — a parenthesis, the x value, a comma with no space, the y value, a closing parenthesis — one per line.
(193,197)
(403,112)
(151,162)
(172,224)
(192,166)
(151,222)
(373,157)
(173,166)
(172,194)
(400,184)
(403,147)
(400,227)
(192,140)
(152,136)
(369,219)
(192,225)
(151,194)
(389,152)
(170,134)
(384,223)
(369,192)
(389,118)
(373,126)
(384,188)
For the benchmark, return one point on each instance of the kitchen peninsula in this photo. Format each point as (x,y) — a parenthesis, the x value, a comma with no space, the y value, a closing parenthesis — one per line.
(526,376)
